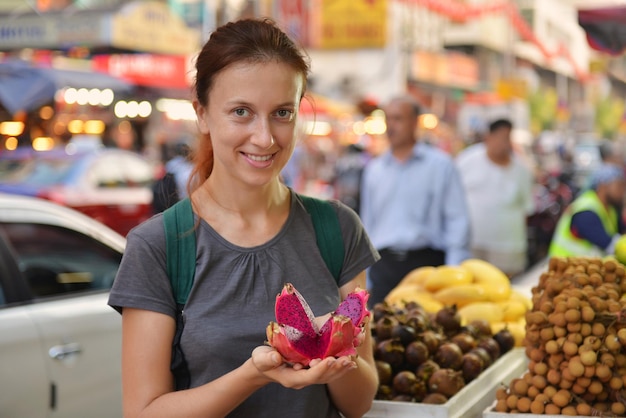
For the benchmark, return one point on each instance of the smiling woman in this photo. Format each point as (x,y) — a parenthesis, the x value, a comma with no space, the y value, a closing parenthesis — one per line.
(252,234)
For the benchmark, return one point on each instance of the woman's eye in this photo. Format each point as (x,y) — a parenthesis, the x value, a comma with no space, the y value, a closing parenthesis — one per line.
(284,114)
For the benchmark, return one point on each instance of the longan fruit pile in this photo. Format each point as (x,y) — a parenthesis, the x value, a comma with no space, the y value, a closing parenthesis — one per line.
(575,343)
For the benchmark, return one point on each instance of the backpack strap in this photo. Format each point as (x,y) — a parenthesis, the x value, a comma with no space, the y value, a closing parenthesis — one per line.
(180,238)
(327,233)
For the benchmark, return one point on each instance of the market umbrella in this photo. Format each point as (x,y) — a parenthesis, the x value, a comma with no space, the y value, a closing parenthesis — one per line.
(26,87)
(605,28)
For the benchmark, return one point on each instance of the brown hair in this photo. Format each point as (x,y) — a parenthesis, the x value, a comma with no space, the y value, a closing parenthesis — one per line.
(246,40)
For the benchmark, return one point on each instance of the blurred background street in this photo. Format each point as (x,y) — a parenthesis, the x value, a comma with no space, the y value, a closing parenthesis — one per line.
(96,116)
(80,75)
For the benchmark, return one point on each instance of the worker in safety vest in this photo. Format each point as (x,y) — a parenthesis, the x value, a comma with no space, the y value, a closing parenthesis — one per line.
(592,223)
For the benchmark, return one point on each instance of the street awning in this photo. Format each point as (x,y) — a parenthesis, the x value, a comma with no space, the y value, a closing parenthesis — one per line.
(605,28)
(26,87)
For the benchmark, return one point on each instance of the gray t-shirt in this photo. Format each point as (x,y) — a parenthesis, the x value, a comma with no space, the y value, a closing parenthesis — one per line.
(232,299)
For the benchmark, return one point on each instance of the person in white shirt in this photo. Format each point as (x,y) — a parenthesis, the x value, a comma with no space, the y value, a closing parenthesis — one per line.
(498,186)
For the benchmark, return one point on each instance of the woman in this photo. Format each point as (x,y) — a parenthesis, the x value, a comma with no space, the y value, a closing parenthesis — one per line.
(253,235)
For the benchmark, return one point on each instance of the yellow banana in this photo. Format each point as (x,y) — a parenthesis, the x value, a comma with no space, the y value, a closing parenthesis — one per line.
(417,276)
(490,311)
(461,295)
(497,291)
(484,272)
(512,310)
(446,276)
(413,293)
(519,296)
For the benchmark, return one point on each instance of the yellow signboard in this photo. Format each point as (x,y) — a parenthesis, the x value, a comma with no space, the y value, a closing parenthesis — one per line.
(150,26)
(350,24)
(512,88)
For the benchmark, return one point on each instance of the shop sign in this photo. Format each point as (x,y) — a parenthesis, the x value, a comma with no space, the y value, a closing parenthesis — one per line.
(450,69)
(83,30)
(294,19)
(350,24)
(145,69)
(27,32)
(511,88)
(150,26)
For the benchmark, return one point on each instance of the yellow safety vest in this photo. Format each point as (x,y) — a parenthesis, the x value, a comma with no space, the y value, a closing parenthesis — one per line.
(565,244)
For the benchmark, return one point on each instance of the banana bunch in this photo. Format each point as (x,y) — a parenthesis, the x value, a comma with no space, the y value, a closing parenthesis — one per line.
(479,290)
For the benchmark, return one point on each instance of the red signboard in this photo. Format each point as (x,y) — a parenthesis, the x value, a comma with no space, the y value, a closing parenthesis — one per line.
(163,71)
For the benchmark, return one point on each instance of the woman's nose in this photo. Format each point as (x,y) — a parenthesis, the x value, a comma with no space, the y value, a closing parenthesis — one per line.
(263,136)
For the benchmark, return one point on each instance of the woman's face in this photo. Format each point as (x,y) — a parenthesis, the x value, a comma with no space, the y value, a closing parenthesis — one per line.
(251,119)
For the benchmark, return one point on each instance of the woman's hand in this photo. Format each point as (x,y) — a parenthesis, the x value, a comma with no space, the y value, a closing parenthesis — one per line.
(320,371)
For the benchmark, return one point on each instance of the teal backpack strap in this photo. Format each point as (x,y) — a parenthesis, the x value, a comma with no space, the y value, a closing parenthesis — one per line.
(327,233)
(180,240)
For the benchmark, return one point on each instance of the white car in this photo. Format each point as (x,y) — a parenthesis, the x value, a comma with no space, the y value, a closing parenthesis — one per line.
(60,342)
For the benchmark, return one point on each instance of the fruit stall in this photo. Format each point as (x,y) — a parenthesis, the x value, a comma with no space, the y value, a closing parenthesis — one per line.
(461,341)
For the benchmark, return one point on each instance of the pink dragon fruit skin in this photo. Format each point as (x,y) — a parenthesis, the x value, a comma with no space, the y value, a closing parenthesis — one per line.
(297,338)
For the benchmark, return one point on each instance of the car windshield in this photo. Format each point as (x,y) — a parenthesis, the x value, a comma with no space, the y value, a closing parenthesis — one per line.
(40,171)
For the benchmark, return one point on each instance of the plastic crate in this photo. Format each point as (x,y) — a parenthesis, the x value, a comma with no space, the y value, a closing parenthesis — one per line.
(469,402)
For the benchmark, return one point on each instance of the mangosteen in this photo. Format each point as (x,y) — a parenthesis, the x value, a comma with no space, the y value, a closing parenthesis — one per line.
(482,326)
(505,340)
(403,398)
(390,351)
(432,339)
(484,356)
(471,367)
(465,341)
(405,382)
(492,347)
(416,353)
(449,319)
(435,399)
(446,381)
(384,326)
(426,369)
(404,333)
(380,310)
(384,393)
(449,356)
(417,320)
(385,372)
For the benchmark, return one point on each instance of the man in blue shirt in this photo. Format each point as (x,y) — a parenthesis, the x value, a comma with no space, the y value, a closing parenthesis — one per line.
(413,204)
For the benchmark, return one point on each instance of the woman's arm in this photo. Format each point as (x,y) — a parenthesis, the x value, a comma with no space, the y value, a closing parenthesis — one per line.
(148,385)
(354,393)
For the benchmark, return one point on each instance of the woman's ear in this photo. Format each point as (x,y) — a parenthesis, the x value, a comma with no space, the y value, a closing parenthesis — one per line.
(201,115)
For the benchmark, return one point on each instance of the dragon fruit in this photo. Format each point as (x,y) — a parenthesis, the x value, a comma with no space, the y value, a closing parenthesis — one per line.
(296,336)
